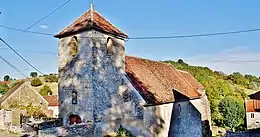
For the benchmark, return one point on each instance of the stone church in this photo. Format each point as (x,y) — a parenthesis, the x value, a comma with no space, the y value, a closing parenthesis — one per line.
(99,84)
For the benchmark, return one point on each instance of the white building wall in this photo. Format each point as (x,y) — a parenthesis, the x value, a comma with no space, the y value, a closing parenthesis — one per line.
(55,110)
(253,120)
(158,119)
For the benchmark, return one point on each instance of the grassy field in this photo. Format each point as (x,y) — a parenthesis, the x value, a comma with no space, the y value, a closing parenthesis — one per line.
(53,86)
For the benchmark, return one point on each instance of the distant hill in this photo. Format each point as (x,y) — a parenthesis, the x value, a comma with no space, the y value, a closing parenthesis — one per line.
(219,85)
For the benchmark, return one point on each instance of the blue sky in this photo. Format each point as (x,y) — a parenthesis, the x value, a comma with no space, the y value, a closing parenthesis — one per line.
(141,18)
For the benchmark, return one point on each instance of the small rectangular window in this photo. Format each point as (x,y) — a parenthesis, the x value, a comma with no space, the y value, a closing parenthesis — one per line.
(252,115)
(74,97)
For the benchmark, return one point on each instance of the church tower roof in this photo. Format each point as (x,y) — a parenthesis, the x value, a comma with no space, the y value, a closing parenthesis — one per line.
(90,20)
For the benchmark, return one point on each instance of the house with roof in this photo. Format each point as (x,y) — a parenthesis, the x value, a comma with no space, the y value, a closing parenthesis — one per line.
(99,84)
(53,108)
(252,106)
(23,94)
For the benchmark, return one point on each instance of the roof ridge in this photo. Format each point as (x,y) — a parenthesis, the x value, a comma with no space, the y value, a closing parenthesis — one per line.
(11,91)
(183,71)
(186,80)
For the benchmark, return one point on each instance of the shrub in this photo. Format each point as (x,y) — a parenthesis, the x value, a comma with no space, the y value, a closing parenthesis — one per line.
(36,82)
(3,88)
(51,78)
(45,90)
(122,132)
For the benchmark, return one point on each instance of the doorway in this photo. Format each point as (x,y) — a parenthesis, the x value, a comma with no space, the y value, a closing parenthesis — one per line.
(75,119)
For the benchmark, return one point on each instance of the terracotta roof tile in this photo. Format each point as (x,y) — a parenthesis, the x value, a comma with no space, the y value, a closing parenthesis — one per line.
(192,80)
(83,23)
(156,80)
(52,100)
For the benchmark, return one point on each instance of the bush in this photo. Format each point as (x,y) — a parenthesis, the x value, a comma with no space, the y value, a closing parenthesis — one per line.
(3,88)
(36,82)
(51,78)
(122,132)
(45,90)
(31,110)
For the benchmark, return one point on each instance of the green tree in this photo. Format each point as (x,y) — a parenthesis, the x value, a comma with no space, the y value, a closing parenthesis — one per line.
(3,88)
(33,74)
(239,79)
(36,82)
(7,78)
(232,110)
(45,90)
(180,61)
(51,78)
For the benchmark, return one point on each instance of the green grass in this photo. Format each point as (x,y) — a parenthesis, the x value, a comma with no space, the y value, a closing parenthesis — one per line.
(53,86)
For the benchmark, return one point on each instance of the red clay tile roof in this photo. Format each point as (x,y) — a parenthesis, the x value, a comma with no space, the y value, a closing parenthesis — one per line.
(52,100)
(156,81)
(252,105)
(192,80)
(84,23)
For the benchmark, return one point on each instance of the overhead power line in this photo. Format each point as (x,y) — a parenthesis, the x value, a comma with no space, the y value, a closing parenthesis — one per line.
(50,13)
(152,37)
(20,30)
(20,56)
(11,65)
(211,61)
(196,35)
(32,51)
(225,61)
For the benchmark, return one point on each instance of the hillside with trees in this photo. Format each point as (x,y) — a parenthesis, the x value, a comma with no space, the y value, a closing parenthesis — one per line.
(226,93)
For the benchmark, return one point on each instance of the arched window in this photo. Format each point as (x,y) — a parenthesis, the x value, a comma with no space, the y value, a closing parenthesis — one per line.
(179,110)
(109,45)
(73,46)
(74,97)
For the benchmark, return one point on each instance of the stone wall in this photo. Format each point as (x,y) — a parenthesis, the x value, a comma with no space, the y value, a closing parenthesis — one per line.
(178,119)
(82,130)
(95,70)
(185,120)
(26,95)
(203,106)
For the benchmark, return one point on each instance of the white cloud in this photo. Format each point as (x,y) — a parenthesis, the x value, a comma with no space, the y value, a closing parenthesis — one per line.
(229,61)
(44,26)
